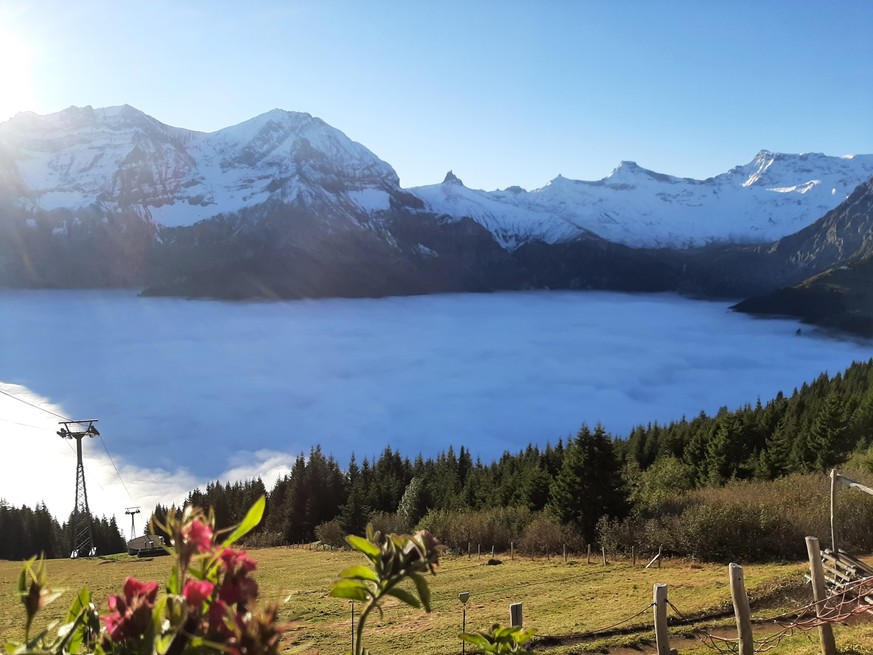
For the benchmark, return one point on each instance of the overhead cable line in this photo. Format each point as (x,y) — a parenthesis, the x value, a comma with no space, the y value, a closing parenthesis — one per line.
(43,409)
(65,418)
(111,461)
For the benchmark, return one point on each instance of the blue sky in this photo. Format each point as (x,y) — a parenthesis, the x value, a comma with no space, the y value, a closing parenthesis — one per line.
(501,92)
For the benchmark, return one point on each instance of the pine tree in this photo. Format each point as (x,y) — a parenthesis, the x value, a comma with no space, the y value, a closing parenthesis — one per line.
(589,484)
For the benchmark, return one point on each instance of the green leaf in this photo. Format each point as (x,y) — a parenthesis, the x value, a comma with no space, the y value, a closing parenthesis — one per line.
(360,573)
(359,543)
(352,589)
(76,624)
(22,580)
(405,596)
(173,585)
(423,589)
(475,638)
(249,523)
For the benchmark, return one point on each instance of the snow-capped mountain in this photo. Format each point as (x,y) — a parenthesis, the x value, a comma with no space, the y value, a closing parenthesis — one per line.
(120,158)
(770,197)
(284,205)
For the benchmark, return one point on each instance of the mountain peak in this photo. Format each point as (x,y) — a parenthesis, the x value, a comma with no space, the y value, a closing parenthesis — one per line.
(451,178)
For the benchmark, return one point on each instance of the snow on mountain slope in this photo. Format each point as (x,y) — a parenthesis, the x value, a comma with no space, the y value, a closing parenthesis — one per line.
(770,197)
(120,157)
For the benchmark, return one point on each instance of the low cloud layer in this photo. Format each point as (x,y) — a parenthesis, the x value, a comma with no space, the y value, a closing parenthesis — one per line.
(192,391)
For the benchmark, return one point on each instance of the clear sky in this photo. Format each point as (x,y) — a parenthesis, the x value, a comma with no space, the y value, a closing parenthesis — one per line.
(502,92)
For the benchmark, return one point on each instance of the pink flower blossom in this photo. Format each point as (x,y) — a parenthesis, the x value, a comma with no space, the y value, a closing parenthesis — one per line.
(132,614)
(220,619)
(237,587)
(199,534)
(197,591)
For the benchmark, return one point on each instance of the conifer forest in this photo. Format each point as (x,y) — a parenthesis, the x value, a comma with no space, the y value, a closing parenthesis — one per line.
(684,488)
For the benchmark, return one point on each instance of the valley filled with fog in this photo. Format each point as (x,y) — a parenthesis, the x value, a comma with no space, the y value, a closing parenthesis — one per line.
(192,391)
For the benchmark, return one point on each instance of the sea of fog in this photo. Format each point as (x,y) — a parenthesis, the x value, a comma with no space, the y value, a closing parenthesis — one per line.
(191,391)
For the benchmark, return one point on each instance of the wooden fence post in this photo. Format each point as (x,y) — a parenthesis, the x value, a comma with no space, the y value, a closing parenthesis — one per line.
(816,570)
(589,553)
(833,509)
(659,600)
(515,618)
(511,550)
(633,556)
(565,552)
(741,609)
(603,550)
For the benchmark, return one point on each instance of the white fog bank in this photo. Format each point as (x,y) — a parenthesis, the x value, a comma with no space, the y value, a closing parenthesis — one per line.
(191,391)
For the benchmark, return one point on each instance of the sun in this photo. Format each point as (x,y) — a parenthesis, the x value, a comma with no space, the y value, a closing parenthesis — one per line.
(16,90)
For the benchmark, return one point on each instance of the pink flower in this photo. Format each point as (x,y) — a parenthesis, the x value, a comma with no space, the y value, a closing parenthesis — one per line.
(237,587)
(132,614)
(220,620)
(199,534)
(197,591)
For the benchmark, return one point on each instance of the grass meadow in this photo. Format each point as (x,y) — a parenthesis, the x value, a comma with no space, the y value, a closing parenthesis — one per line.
(575,606)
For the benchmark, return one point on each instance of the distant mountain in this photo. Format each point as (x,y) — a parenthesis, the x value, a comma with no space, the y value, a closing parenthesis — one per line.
(284,205)
(770,197)
(838,252)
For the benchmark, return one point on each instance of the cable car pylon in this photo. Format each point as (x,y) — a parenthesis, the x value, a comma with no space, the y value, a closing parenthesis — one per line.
(83,537)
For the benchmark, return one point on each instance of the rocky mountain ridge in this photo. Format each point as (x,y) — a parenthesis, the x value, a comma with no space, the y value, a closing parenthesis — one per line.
(285,206)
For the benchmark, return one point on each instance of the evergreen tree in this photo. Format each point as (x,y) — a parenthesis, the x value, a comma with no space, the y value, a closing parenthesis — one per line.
(354,514)
(589,484)
(827,437)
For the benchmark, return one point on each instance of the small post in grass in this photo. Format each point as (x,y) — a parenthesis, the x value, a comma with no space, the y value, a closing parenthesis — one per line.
(515,618)
(659,602)
(819,594)
(353,627)
(741,609)
(464,596)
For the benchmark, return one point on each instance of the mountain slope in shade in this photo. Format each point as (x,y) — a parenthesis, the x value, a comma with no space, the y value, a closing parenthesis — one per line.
(841,296)
(772,196)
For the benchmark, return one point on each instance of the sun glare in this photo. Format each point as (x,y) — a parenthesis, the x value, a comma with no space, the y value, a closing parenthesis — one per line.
(16,92)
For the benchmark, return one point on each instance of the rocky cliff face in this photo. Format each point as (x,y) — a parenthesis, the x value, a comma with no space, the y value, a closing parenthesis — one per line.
(835,256)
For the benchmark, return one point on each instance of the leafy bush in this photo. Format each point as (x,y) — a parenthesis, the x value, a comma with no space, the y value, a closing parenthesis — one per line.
(330,533)
(749,521)
(497,527)
(544,535)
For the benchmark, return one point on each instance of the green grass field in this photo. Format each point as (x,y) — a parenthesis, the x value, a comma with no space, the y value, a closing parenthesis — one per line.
(563,601)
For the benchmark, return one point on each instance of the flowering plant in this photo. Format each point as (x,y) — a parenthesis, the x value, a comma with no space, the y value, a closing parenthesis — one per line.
(394,558)
(208,604)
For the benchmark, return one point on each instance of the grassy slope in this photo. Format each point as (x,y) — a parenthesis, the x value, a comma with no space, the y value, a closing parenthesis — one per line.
(561,600)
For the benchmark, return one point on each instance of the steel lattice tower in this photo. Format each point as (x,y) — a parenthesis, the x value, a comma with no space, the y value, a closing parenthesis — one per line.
(83,538)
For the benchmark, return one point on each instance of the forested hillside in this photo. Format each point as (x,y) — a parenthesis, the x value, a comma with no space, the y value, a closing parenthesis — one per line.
(682,487)
(25,532)
(593,487)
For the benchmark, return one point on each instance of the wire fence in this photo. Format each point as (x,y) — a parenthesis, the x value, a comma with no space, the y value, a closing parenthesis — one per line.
(840,605)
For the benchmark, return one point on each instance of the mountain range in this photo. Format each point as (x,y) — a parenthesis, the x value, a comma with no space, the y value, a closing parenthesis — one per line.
(286,206)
